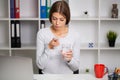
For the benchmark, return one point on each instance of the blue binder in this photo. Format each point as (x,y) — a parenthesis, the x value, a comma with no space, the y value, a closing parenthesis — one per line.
(12,9)
(43,9)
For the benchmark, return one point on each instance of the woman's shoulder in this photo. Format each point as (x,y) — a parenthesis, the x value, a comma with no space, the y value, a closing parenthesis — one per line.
(44,30)
(73,32)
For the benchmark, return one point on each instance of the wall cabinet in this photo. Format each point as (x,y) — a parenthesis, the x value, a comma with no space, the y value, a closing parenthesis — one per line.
(91,27)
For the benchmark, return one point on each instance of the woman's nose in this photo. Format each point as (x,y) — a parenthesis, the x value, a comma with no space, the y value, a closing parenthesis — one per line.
(57,22)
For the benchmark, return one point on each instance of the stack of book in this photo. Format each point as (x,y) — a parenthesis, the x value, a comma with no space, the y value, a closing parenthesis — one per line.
(15,8)
(15,34)
(45,6)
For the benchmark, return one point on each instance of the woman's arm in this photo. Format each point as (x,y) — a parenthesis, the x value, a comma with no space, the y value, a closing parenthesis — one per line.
(41,57)
(75,61)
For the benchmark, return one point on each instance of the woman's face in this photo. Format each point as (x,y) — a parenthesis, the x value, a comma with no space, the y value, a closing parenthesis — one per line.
(58,21)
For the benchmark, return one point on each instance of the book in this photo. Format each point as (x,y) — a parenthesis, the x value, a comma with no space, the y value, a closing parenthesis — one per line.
(17,36)
(42,24)
(17,8)
(12,9)
(48,7)
(13,42)
(43,9)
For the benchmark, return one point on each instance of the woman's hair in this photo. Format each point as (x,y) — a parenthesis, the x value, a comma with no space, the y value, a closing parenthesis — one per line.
(62,8)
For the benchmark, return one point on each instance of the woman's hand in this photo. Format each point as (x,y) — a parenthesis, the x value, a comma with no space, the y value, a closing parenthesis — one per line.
(53,43)
(67,55)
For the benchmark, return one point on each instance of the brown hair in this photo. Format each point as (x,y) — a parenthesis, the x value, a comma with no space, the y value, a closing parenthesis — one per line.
(61,7)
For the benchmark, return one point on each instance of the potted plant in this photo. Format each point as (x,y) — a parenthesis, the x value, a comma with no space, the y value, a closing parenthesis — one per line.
(111,36)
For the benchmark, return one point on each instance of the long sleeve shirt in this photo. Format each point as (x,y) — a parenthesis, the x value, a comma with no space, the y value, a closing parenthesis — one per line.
(51,61)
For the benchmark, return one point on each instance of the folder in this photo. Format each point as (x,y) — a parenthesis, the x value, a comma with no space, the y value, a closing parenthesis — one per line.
(12,9)
(42,24)
(17,8)
(48,7)
(13,42)
(43,9)
(17,36)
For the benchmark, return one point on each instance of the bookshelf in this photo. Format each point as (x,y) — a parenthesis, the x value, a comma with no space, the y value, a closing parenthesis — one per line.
(92,29)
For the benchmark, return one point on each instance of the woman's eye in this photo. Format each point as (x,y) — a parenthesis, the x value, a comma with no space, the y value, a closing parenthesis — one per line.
(54,18)
(61,19)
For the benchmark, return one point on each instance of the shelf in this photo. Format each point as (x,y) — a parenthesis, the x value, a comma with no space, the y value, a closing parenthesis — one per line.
(4,52)
(26,47)
(26,19)
(106,47)
(46,19)
(84,18)
(92,28)
(4,46)
(4,19)
(111,19)
(88,48)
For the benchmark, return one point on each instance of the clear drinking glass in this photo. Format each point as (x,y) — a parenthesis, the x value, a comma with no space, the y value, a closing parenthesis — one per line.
(66,48)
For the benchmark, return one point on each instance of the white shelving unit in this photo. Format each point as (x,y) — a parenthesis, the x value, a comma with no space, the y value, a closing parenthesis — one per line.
(92,29)
(29,21)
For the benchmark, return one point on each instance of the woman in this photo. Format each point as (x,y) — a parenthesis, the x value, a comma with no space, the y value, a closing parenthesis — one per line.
(53,57)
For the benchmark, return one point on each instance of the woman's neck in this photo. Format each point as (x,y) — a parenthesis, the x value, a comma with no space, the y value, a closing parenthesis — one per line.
(60,32)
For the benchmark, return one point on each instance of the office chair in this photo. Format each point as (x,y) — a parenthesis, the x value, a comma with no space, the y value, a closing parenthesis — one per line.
(40,71)
(16,68)
(75,72)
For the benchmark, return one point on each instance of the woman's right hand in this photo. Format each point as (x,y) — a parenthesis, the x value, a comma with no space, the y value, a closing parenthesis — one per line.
(53,43)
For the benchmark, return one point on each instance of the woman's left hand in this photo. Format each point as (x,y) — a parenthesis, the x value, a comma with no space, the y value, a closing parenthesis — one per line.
(67,55)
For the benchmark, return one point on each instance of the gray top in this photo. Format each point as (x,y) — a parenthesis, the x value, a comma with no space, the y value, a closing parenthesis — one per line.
(51,61)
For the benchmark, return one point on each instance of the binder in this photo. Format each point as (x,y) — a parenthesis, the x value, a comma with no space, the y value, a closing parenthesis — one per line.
(48,7)
(12,9)
(17,8)
(43,9)
(42,25)
(13,42)
(17,36)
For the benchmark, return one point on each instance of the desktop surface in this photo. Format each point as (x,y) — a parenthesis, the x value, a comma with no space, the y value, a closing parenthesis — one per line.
(67,77)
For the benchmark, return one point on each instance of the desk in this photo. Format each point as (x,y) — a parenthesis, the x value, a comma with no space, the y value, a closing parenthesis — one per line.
(67,77)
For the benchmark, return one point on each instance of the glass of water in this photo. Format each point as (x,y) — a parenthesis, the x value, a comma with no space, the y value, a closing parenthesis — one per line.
(66,48)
